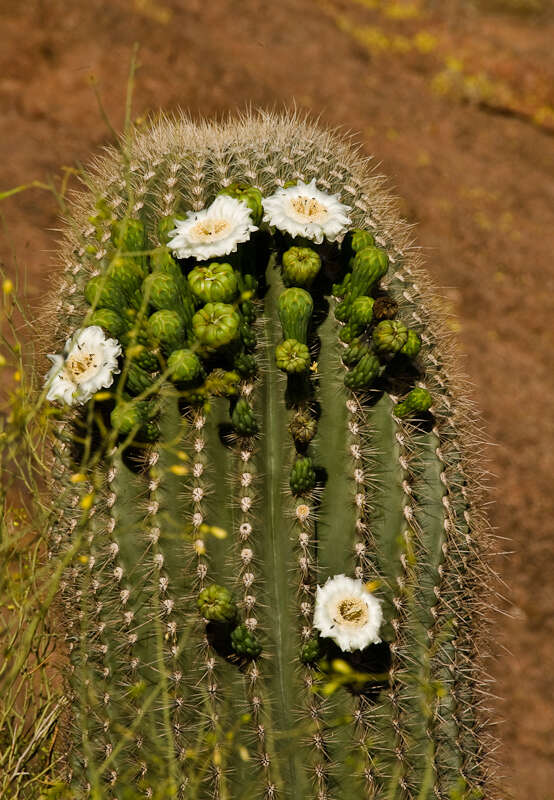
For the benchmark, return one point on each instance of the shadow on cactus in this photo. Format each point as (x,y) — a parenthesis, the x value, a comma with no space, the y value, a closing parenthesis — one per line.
(272,543)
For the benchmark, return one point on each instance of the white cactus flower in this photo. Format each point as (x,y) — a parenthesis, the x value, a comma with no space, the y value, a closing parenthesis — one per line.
(303,210)
(214,231)
(348,613)
(88,363)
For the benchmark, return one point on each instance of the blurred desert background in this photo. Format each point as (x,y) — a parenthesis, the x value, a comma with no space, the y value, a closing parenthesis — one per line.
(455,100)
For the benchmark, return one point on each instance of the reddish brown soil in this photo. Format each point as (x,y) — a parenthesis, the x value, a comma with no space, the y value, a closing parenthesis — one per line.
(477,179)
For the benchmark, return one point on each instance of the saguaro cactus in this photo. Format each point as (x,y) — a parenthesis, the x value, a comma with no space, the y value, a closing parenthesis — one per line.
(275,549)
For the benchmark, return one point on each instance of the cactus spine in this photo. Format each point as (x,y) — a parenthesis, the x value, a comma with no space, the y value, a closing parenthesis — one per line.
(229,474)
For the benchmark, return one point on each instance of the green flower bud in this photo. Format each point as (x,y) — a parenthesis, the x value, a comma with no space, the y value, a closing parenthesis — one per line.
(167,329)
(300,266)
(354,353)
(248,336)
(143,357)
(245,365)
(184,366)
(164,291)
(216,604)
(247,283)
(216,325)
(161,260)
(292,356)
(150,432)
(349,332)
(364,373)
(165,226)
(109,320)
(302,476)
(295,308)
(216,283)
(340,289)
(310,651)
(126,273)
(385,308)
(244,643)
(413,344)
(127,417)
(134,337)
(248,311)
(389,337)
(137,380)
(243,418)
(220,383)
(361,313)
(104,292)
(249,195)
(303,427)
(128,235)
(368,266)
(418,400)
(357,240)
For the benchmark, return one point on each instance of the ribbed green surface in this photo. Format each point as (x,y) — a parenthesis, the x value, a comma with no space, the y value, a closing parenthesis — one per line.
(162,704)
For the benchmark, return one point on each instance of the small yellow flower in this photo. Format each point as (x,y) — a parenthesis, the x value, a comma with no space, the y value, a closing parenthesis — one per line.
(87,502)
(179,469)
(7,286)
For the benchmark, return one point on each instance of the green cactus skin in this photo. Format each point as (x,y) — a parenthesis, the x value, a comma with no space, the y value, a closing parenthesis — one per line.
(300,266)
(292,356)
(389,337)
(295,311)
(214,283)
(216,603)
(216,324)
(161,703)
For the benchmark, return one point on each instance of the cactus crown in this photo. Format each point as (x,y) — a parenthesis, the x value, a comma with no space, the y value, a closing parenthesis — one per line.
(274,558)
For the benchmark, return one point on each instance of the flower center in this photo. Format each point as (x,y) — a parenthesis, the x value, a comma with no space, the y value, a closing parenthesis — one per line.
(308,208)
(351,611)
(210,229)
(81,366)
